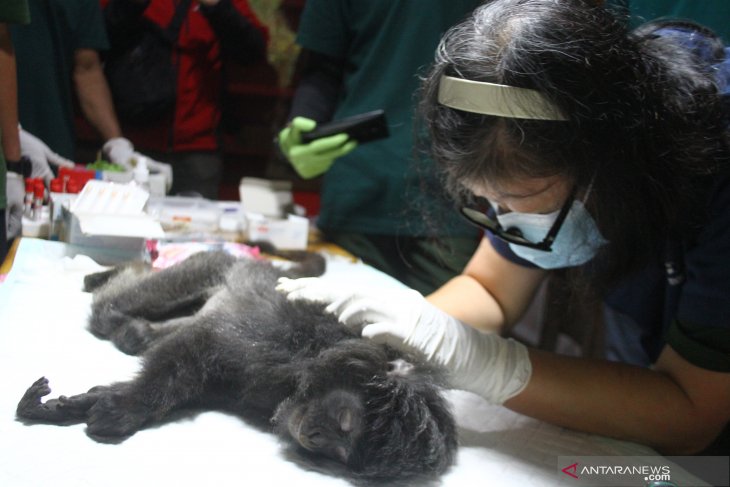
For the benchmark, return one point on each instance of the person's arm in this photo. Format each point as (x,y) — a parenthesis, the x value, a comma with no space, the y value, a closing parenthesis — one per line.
(8,97)
(319,86)
(483,297)
(94,95)
(314,101)
(675,407)
(242,37)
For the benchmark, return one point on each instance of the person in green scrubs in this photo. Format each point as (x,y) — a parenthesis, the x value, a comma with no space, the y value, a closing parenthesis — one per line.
(379,201)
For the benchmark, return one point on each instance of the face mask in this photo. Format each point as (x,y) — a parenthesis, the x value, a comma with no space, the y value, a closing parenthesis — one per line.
(576,243)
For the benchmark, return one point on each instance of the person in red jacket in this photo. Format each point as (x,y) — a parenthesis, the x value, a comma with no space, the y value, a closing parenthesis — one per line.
(211,32)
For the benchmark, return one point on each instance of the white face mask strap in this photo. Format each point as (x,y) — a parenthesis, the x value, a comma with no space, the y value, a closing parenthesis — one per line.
(589,189)
(495,99)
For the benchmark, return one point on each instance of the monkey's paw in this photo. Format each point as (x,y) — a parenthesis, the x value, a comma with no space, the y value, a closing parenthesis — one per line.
(52,411)
(114,417)
(30,405)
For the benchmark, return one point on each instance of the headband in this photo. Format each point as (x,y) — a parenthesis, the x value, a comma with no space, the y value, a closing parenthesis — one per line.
(494,99)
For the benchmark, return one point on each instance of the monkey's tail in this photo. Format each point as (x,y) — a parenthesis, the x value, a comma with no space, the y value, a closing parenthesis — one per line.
(304,262)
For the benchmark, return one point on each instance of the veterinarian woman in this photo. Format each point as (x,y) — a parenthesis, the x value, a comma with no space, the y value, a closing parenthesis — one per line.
(580,146)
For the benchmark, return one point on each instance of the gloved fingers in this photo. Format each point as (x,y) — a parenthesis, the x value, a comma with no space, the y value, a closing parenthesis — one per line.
(118,143)
(41,170)
(311,160)
(285,140)
(302,124)
(347,148)
(40,155)
(355,311)
(119,151)
(290,136)
(385,333)
(312,166)
(58,160)
(330,145)
(286,285)
(306,288)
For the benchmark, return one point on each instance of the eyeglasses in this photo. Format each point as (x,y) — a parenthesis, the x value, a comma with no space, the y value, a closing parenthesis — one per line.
(513,235)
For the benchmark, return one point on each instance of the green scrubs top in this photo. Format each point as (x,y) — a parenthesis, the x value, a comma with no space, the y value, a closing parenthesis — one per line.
(14,12)
(11,12)
(386,44)
(45,55)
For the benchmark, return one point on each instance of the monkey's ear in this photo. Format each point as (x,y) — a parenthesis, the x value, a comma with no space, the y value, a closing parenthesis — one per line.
(400,368)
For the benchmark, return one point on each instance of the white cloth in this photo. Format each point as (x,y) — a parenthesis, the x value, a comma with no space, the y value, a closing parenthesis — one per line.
(43,331)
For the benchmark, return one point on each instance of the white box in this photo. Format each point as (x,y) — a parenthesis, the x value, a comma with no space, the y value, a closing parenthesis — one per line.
(271,198)
(156,181)
(107,219)
(109,239)
(180,214)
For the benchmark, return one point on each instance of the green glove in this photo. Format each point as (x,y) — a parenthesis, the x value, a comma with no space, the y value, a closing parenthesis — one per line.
(316,157)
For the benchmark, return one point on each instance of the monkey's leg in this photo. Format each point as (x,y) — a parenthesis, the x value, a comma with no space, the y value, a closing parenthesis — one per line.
(176,373)
(124,310)
(92,282)
(134,336)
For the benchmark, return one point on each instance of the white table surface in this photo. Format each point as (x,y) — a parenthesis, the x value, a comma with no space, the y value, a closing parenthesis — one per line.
(42,333)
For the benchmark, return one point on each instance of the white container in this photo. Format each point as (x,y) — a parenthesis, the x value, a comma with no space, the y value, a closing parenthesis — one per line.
(286,234)
(38,228)
(181,214)
(271,198)
(109,239)
(108,221)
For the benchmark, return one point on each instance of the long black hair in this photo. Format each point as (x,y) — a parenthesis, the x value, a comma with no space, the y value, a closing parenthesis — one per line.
(645,120)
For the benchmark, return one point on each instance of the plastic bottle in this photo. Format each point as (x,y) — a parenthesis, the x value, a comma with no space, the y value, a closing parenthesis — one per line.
(54,206)
(28,198)
(38,193)
(142,174)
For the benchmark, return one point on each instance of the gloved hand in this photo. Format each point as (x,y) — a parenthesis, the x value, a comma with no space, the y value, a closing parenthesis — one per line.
(15,191)
(316,157)
(486,364)
(121,151)
(40,156)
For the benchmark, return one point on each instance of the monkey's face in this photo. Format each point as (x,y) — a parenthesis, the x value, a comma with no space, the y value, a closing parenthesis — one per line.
(329,425)
(373,411)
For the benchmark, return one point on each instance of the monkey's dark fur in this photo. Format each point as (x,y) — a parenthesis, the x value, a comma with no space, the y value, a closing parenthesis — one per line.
(213,333)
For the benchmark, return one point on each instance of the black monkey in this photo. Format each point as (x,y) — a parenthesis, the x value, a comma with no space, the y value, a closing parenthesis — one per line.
(213,333)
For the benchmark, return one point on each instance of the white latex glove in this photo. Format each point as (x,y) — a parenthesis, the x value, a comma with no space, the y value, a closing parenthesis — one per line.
(15,188)
(121,151)
(40,156)
(485,364)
